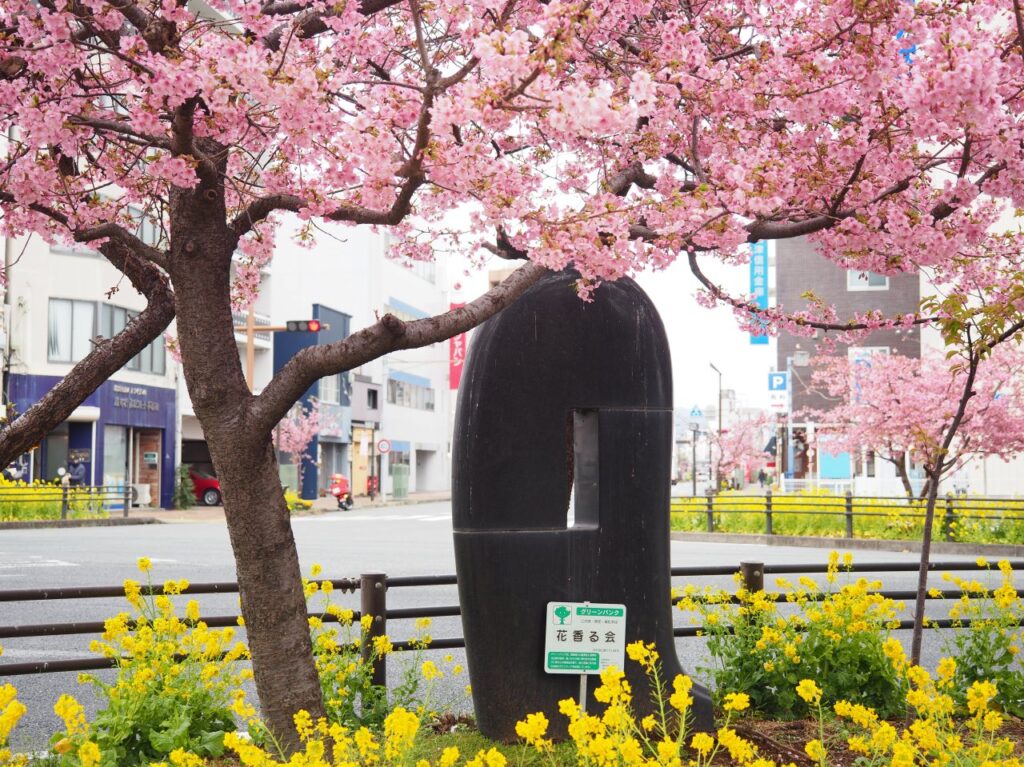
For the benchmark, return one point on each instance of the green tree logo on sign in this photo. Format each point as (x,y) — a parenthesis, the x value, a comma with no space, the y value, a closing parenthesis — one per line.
(562,612)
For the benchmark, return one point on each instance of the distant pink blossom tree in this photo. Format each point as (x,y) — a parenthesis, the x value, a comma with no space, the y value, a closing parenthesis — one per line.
(940,409)
(741,445)
(296,432)
(895,406)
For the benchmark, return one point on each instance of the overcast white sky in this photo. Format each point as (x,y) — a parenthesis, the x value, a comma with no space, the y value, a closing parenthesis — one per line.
(699,337)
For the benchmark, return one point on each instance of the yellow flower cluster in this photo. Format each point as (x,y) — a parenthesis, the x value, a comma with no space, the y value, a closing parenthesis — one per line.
(935,736)
(768,641)
(11,711)
(614,738)
(332,745)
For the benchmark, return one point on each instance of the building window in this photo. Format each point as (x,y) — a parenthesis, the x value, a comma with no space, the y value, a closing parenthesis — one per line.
(152,359)
(408,394)
(371,399)
(426,270)
(330,389)
(71,329)
(861,280)
(146,229)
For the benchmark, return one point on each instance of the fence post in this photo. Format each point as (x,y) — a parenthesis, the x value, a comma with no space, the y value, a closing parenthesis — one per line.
(373,601)
(711,510)
(949,518)
(768,512)
(753,576)
(127,498)
(64,502)
(849,514)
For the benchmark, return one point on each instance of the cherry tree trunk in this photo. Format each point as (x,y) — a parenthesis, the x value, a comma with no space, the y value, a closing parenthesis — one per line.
(922,574)
(266,559)
(269,579)
(901,471)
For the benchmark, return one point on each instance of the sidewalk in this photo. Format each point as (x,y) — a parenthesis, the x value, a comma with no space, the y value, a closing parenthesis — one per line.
(320,506)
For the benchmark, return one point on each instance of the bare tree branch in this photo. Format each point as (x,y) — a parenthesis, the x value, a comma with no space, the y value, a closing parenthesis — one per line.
(754,309)
(387,335)
(108,230)
(122,128)
(109,356)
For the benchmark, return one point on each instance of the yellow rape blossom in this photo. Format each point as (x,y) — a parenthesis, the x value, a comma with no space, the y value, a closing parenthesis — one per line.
(809,691)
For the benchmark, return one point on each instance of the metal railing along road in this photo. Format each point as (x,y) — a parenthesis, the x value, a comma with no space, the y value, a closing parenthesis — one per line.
(62,501)
(949,511)
(373,589)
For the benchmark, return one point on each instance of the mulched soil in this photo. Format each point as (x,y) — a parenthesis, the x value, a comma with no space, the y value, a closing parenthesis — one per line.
(784,741)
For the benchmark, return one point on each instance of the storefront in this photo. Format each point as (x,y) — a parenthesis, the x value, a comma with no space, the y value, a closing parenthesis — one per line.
(123,434)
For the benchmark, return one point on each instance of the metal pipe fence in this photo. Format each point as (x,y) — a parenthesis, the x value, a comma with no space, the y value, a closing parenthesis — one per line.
(953,510)
(373,589)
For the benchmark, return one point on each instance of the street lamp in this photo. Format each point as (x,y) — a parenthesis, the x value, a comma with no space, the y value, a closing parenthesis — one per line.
(718,479)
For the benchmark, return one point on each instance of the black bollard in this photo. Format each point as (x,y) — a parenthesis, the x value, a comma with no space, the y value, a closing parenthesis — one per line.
(560,395)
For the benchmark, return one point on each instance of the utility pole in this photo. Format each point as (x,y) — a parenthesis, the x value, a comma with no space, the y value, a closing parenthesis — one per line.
(250,326)
(718,478)
(693,466)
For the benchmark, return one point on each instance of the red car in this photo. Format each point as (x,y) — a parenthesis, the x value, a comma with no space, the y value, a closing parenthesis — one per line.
(207,487)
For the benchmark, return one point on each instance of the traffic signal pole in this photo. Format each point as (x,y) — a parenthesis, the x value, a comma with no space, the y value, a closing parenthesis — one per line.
(249,328)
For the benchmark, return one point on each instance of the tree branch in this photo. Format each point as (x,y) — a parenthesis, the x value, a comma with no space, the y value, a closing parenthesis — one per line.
(109,356)
(108,230)
(122,128)
(387,335)
(754,309)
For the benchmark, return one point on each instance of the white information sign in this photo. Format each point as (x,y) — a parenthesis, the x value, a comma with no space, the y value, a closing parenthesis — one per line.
(584,637)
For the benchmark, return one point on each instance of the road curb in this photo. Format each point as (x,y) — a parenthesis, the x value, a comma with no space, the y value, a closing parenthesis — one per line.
(871,544)
(38,524)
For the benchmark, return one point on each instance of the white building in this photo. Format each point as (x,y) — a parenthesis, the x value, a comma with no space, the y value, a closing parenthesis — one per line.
(57,302)
(400,399)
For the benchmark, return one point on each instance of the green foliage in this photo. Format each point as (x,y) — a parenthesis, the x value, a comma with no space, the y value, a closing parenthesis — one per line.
(177,686)
(838,638)
(20,501)
(350,697)
(184,489)
(989,649)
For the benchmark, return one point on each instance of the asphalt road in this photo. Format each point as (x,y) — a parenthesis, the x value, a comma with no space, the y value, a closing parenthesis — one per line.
(397,540)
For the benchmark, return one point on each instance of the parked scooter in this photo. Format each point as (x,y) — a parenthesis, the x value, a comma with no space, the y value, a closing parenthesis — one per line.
(341,490)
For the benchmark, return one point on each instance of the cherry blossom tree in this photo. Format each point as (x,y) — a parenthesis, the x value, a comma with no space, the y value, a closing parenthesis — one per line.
(295,433)
(899,406)
(599,134)
(741,446)
(941,410)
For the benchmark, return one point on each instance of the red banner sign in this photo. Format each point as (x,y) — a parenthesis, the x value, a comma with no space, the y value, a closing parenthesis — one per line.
(456,356)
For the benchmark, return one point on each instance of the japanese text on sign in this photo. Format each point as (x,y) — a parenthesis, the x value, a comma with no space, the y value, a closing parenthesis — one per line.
(584,638)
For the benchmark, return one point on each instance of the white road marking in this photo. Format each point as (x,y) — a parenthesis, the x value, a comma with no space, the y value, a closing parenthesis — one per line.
(8,563)
(374,518)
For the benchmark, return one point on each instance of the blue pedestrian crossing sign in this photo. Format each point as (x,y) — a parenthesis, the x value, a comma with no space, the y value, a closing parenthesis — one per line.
(696,420)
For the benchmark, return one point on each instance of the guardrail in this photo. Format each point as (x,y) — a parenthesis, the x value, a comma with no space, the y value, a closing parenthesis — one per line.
(373,588)
(51,500)
(849,507)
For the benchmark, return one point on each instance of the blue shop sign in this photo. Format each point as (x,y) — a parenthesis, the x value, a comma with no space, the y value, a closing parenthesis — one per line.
(135,404)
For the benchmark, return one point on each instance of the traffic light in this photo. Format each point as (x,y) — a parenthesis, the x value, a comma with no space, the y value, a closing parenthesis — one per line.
(306,326)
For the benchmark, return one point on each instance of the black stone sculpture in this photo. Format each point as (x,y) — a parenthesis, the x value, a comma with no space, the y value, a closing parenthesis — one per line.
(560,394)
